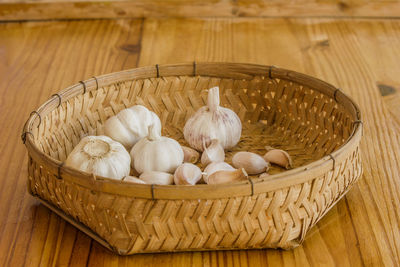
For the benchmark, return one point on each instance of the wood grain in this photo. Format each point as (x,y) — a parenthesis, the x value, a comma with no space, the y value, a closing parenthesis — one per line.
(12,10)
(38,59)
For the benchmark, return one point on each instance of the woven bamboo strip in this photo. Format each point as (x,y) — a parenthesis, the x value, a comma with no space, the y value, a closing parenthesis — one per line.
(316,123)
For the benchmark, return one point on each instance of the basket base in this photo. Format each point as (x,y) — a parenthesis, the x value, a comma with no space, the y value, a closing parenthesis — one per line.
(105,244)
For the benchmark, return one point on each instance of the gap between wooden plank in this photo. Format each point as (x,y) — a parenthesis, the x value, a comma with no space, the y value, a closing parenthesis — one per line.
(56,9)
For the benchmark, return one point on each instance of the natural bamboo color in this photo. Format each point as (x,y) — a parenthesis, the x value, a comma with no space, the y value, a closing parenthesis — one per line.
(316,123)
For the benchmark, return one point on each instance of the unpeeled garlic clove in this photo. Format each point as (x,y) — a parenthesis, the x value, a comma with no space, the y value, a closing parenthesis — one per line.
(214,167)
(155,177)
(221,177)
(187,174)
(190,155)
(132,179)
(213,153)
(278,157)
(251,162)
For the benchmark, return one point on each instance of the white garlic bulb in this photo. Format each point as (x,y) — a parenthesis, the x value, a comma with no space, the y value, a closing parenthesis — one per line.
(101,156)
(187,174)
(251,162)
(214,167)
(131,124)
(213,153)
(213,122)
(154,177)
(156,153)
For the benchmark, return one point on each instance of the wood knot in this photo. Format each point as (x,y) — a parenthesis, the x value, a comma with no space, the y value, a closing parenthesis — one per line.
(131,48)
(343,6)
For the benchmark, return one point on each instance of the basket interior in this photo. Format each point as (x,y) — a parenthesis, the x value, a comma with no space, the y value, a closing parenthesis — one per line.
(274,112)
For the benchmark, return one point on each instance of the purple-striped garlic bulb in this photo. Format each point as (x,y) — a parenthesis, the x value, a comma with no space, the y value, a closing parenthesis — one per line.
(213,122)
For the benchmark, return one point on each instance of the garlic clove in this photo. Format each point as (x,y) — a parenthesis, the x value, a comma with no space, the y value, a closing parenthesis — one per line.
(251,162)
(155,177)
(214,167)
(187,174)
(221,177)
(190,155)
(213,153)
(133,180)
(278,157)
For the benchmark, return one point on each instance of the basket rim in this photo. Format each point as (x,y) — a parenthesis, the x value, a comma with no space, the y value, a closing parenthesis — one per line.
(291,177)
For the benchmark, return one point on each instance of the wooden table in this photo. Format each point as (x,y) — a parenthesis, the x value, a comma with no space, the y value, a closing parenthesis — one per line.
(361,56)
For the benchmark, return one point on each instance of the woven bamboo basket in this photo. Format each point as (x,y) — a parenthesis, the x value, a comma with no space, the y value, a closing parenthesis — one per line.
(318,125)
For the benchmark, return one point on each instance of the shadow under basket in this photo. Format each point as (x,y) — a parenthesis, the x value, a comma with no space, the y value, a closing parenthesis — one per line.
(318,125)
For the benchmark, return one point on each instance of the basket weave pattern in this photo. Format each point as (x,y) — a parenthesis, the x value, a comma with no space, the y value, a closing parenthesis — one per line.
(277,108)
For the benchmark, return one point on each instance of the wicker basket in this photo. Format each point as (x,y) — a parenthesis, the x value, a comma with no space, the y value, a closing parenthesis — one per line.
(315,122)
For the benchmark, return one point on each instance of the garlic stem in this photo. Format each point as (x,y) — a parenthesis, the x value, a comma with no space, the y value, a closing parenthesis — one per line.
(213,99)
(153,133)
(96,148)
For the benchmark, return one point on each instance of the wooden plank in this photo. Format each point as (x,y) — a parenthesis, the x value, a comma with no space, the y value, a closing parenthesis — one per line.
(362,229)
(12,10)
(37,60)
(336,51)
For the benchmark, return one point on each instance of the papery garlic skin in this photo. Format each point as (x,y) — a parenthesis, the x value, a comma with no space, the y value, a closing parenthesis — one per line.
(101,156)
(213,122)
(156,153)
(155,177)
(131,124)
(187,174)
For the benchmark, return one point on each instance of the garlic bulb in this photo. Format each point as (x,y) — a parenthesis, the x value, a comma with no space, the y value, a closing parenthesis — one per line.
(251,162)
(154,177)
(131,124)
(132,179)
(221,177)
(187,174)
(278,157)
(156,153)
(214,167)
(213,122)
(213,153)
(101,156)
(190,155)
